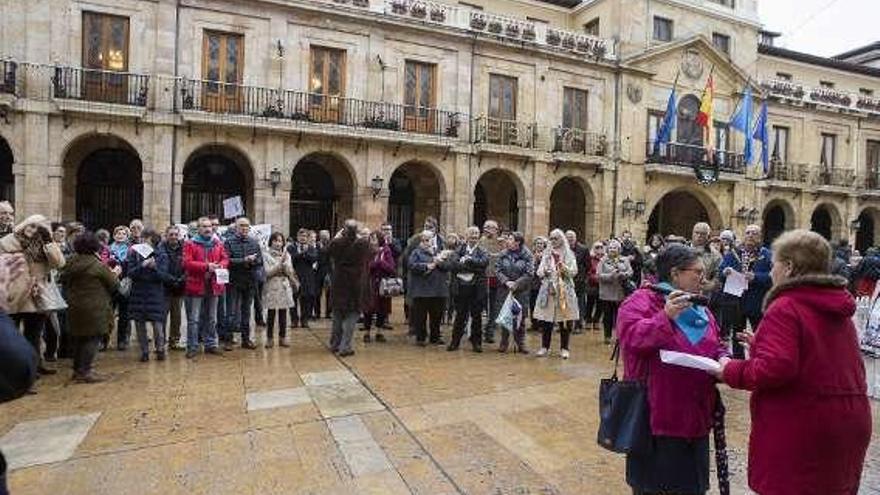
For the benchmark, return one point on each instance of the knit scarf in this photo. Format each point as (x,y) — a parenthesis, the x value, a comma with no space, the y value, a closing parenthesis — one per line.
(692,322)
(206,242)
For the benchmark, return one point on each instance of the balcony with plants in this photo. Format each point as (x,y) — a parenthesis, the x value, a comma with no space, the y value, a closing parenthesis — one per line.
(100,86)
(793,92)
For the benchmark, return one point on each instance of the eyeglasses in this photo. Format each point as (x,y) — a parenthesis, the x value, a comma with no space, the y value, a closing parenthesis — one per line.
(698,271)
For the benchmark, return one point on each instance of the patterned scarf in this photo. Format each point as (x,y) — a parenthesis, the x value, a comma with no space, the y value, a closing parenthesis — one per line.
(32,247)
(720,446)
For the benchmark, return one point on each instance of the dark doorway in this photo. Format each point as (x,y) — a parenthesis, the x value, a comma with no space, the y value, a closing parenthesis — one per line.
(109,189)
(496,198)
(821,223)
(401,205)
(774,224)
(676,214)
(414,195)
(313,200)
(207,181)
(865,235)
(568,206)
(7,179)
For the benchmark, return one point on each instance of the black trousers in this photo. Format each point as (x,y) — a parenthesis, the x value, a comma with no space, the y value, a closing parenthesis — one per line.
(593,309)
(732,321)
(34,326)
(424,308)
(258,305)
(469,303)
(609,314)
(547,335)
(85,349)
(304,306)
(282,323)
(379,317)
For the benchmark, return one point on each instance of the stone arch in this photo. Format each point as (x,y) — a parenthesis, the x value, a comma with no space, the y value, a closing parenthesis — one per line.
(7,178)
(322,192)
(416,190)
(676,211)
(778,216)
(102,182)
(573,207)
(499,195)
(827,221)
(212,173)
(869,228)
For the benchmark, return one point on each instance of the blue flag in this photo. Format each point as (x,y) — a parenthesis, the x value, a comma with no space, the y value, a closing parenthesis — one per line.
(761,134)
(742,121)
(664,134)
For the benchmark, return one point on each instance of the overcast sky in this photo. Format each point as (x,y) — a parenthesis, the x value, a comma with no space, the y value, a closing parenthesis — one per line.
(822,27)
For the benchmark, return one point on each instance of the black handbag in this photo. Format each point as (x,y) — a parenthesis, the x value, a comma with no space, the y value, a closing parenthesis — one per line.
(624,414)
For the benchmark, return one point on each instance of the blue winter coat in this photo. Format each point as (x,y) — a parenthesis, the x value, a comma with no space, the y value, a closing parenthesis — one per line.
(753,298)
(424,282)
(146,302)
(18,361)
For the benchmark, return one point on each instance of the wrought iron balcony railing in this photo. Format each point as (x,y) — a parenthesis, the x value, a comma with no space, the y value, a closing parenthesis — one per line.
(218,97)
(836,176)
(101,86)
(828,97)
(691,155)
(8,76)
(788,172)
(505,132)
(567,140)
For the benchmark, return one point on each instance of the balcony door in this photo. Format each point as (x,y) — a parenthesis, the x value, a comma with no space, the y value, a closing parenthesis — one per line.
(105,51)
(690,134)
(419,97)
(222,68)
(501,126)
(872,164)
(327,85)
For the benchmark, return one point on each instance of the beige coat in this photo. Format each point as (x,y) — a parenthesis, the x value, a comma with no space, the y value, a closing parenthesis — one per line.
(549,306)
(37,279)
(281,281)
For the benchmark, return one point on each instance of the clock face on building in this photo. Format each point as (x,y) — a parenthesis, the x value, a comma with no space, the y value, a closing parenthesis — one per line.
(692,64)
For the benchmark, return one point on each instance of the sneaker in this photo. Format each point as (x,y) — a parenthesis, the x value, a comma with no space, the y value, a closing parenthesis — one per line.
(380,338)
(145,356)
(542,352)
(564,354)
(191,354)
(176,346)
(160,356)
(212,350)
(269,344)
(367,338)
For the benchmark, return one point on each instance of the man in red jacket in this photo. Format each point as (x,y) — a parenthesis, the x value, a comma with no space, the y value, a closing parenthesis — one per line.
(204,258)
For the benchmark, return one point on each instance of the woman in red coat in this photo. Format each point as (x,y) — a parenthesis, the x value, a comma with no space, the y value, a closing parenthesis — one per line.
(811,420)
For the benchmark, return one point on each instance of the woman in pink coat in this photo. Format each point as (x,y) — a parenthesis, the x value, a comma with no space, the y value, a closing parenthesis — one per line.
(811,420)
(681,400)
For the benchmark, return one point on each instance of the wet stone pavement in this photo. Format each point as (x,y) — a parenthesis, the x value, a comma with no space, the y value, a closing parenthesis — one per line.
(393,419)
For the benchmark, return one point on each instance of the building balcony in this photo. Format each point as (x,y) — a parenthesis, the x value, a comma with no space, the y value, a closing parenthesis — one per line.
(789,172)
(687,155)
(308,108)
(579,141)
(793,92)
(508,133)
(500,27)
(836,177)
(100,86)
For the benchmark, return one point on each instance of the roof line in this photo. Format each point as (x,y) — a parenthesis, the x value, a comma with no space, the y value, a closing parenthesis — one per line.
(807,58)
(858,51)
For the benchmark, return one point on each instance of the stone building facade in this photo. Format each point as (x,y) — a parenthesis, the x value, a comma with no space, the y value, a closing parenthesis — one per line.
(536,113)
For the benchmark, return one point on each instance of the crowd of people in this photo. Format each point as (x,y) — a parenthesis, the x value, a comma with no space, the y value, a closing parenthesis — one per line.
(777,321)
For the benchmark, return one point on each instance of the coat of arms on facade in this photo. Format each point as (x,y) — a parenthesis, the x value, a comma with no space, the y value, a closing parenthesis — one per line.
(634,93)
(692,64)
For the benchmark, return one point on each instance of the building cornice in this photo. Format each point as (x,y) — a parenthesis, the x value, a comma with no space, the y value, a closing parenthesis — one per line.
(815,60)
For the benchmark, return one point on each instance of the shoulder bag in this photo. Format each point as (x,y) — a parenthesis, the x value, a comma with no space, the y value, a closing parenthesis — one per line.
(624,415)
(390,287)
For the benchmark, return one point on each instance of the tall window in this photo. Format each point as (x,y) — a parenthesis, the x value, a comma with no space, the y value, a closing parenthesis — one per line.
(592,27)
(222,64)
(826,84)
(828,151)
(780,144)
(655,120)
(419,96)
(872,163)
(105,48)
(721,42)
(502,97)
(105,42)
(574,109)
(662,29)
(722,142)
(866,92)
(327,83)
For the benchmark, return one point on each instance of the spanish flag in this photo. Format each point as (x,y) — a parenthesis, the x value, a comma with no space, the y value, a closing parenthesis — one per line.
(705,118)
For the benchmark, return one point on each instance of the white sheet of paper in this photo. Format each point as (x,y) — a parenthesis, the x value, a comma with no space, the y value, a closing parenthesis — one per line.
(222,276)
(233,207)
(262,232)
(736,284)
(689,361)
(145,250)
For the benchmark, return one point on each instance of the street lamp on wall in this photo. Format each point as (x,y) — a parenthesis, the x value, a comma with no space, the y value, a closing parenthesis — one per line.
(855,225)
(274,179)
(634,208)
(376,186)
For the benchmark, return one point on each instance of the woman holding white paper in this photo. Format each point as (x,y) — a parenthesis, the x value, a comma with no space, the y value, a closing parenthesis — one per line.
(681,399)
(811,420)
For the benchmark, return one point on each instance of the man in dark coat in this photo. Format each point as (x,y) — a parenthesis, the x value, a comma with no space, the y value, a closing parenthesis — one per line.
(348,253)
(304,257)
(245,257)
(323,274)
(514,270)
(581,255)
(469,269)
(172,249)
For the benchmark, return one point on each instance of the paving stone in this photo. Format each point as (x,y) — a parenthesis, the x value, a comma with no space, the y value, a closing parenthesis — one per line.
(288,397)
(44,441)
